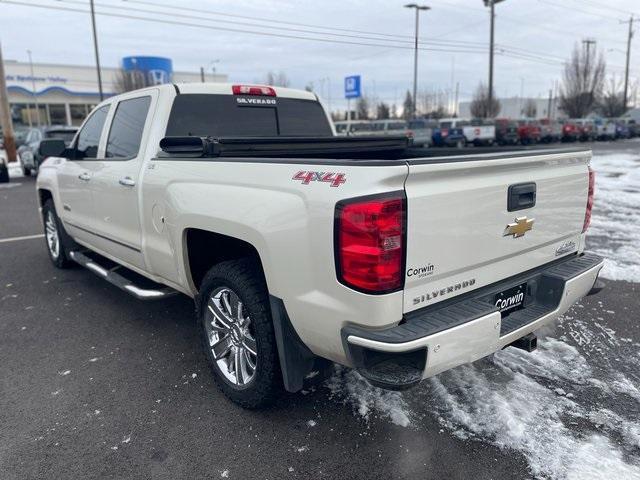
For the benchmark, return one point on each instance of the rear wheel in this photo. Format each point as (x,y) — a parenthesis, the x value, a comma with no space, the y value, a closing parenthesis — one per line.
(58,242)
(26,171)
(237,333)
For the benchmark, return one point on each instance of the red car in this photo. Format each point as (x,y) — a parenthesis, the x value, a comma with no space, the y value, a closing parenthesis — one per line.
(570,131)
(529,131)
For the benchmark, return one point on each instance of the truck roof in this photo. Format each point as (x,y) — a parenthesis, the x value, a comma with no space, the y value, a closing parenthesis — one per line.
(226,89)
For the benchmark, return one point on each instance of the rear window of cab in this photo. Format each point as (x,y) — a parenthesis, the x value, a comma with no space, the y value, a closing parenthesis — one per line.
(219,116)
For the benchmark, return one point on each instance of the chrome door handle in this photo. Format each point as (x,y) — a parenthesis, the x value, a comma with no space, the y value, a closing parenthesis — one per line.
(84,176)
(127,182)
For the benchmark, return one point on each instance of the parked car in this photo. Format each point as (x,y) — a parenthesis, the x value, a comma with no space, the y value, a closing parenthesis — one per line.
(448,134)
(389,127)
(606,129)
(622,130)
(354,128)
(29,150)
(506,132)
(632,125)
(529,131)
(295,251)
(570,131)
(586,127)
(480,132)
(421,132)
(550,130)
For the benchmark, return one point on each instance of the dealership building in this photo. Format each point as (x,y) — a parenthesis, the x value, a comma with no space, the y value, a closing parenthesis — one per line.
(51,94)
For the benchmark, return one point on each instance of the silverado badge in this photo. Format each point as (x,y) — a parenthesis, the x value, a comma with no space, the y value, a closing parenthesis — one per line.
(521,226)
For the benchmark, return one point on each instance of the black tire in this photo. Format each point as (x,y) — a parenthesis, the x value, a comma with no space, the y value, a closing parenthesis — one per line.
(26,171)
(65,242)
(245,278)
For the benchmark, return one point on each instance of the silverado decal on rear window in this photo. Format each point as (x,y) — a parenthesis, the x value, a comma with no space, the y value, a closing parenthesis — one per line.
(335,179)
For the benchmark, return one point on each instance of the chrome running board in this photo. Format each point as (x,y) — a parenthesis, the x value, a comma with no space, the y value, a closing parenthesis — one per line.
(123,283)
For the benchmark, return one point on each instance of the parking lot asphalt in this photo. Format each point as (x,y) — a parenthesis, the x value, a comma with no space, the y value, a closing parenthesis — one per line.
(95,384)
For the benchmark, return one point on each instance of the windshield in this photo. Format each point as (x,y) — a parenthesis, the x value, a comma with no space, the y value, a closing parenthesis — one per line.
(204,115)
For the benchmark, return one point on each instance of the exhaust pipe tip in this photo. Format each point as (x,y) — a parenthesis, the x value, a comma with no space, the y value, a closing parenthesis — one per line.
(527,343)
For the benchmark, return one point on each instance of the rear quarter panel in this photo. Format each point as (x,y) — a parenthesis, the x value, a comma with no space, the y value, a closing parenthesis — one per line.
(289,223)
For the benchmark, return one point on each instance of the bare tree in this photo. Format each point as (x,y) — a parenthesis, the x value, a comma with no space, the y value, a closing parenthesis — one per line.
(278,79)
(530,109)
(407,106)
(126,81)
(612,104)
(362,108)
(382,111)
(481,106)
(583,82)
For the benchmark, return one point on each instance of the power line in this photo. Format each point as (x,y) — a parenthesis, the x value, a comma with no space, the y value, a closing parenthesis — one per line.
(236,30)
(280,28)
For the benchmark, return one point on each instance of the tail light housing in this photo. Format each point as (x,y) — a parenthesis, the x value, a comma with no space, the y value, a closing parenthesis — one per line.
(592,186)
(253,90)
(370,242)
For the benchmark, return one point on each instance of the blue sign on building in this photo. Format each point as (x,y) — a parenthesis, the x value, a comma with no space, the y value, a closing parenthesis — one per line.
(158,70)
(352,87)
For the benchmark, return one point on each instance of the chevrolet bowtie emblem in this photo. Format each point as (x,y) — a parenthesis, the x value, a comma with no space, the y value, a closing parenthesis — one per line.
(521,226)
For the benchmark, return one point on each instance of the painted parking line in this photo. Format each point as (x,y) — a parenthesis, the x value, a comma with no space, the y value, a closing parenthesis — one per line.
(18,239)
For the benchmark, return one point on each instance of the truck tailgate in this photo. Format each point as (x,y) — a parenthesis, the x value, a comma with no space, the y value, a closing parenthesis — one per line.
(457,220)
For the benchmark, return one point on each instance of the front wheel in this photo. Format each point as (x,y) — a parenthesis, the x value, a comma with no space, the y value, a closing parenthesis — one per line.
(58,241)
(237,333)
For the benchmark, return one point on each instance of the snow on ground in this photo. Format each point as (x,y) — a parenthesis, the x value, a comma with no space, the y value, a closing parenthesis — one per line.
(615,225)
(572,408)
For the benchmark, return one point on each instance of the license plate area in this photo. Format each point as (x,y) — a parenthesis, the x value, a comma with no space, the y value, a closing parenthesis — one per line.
(511,299)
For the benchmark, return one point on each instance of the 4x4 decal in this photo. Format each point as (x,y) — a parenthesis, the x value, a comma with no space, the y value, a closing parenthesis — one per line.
(335,179)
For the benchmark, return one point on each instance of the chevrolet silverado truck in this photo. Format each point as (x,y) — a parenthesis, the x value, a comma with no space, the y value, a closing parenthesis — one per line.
(298,245)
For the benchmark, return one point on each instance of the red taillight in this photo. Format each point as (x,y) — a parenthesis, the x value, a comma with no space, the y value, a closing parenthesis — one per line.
(253,90)
(370,243)
(592,186)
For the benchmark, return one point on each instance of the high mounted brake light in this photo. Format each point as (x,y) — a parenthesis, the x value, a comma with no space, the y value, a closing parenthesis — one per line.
(592,187)
(370,242)
(253,90)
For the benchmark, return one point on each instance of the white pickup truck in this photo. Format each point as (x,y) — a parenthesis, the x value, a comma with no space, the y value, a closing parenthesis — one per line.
(298,245)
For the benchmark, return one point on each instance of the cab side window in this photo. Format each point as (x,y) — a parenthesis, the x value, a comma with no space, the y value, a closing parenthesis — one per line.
(127,127)
(89,136)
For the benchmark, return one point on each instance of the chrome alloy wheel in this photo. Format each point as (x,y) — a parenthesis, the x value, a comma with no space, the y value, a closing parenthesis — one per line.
(231,337)
(51,233)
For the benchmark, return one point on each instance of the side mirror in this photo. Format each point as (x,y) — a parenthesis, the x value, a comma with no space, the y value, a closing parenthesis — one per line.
(51,148)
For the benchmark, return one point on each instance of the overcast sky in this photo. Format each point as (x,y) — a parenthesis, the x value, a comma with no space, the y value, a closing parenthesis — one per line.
(541,33)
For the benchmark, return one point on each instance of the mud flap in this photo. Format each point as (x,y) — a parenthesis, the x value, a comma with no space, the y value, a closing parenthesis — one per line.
(296,360)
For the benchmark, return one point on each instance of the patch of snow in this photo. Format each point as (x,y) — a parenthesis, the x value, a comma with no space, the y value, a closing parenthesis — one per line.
(311,423)
(351,388)
(224,474)
(94,359)
(194,375)
(126,439)
(304,448)
(64,373)
(615,224)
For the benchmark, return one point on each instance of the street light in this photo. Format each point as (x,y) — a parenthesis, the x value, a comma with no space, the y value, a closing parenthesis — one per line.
(491,4)
(415,54)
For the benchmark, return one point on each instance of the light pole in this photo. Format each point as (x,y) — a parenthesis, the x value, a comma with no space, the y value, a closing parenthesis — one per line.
(415,54)
(626,70)
(491,4)
(33,88)
(95,48)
